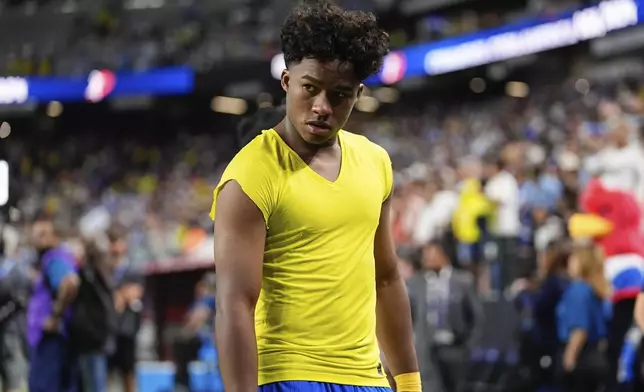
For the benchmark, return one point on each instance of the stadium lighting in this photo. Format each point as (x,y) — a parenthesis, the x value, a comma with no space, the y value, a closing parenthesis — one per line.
(5,130)
(477,85)
(517,89)
(4,182)
(228,105)
(54,109)
(582,86)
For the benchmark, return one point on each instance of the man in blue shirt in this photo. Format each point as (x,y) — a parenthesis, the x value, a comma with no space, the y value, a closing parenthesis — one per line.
(52,367)
(197,330)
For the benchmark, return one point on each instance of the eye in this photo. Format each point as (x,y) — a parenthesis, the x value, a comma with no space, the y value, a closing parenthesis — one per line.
(309,88)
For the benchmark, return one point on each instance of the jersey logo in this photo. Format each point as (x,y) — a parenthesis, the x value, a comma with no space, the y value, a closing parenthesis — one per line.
(380,370)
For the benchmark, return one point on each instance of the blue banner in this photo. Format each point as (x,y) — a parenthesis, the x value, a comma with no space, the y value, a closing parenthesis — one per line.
(515,40)
(97,86)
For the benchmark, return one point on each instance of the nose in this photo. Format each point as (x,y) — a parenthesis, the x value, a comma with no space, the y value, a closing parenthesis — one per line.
(321,105)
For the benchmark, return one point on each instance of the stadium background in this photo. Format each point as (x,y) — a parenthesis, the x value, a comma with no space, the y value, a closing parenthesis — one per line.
(126,111)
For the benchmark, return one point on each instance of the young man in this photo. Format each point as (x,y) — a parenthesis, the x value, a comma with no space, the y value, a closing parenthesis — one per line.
(304,254)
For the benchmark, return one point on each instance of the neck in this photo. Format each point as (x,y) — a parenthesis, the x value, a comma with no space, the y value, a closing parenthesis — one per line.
(292,138)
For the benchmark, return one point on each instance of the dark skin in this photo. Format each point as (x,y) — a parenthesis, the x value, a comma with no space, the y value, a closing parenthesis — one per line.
(322,94)
(318,95)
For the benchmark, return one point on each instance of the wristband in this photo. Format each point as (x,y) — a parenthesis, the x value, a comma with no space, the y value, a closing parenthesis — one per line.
(408,382)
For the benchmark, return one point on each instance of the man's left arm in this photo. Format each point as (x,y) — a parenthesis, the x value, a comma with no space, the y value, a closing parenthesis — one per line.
(394,326)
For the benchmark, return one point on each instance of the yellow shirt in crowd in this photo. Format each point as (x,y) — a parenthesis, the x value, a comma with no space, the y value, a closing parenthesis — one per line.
(316,315)
(471,206)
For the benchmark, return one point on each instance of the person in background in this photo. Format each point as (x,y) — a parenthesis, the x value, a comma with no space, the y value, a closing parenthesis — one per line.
(93,320)
(582,322)
(552,282)
(52,366)
(15,285)
(436,215)
(197,329)
(127,299)
(448,319)
(502,189)
(620,164)
(468,220)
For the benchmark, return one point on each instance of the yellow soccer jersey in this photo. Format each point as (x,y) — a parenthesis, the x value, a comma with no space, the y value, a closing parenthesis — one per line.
(316,315)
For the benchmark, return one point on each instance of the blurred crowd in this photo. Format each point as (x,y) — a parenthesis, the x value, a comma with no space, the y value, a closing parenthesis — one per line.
(536,152)
(140,35)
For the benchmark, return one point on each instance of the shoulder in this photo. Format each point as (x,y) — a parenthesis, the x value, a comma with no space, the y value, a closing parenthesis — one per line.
(258,170)
(464,278)
(373,155)
(258,163)
(260,152)
(364,145)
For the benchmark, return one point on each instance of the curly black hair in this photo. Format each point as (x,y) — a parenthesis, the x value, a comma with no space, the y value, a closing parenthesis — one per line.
(324,31)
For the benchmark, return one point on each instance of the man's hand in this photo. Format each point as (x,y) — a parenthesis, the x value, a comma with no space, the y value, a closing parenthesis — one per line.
(52,324)
(132,292)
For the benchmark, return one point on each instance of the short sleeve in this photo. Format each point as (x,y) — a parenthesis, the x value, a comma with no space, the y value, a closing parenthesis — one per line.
(255,176)
(578,308)
(56,271)
(388,173)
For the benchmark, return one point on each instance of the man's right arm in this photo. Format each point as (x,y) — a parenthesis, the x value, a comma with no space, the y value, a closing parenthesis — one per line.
(240,234)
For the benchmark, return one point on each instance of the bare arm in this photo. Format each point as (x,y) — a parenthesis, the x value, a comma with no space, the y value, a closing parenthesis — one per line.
(393,311)
(240,234)
(66,294)
(639,311)
(573,348)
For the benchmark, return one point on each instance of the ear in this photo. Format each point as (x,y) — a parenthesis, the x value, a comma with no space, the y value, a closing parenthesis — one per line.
(285,80)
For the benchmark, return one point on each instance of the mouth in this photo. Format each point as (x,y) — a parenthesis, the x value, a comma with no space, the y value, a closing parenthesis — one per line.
(318,127)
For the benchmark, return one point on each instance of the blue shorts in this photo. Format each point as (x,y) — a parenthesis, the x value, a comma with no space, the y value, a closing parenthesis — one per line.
(312,386)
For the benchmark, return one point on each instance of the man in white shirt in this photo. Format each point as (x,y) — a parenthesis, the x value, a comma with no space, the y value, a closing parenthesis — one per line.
(502,189)
(620,164)
(435,217)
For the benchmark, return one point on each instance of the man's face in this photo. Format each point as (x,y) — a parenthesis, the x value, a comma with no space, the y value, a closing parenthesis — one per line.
(433,257)
(619,133)
(42,235)
(319,98)
(118,247)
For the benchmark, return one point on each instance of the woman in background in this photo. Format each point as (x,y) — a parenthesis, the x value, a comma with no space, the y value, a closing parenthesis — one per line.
(552,283)
(582,322)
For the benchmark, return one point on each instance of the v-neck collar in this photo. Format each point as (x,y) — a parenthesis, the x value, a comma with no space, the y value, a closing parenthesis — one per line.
(313,173)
